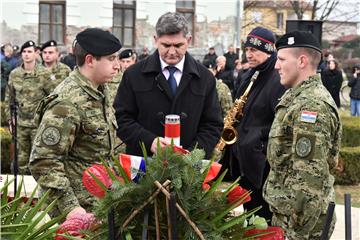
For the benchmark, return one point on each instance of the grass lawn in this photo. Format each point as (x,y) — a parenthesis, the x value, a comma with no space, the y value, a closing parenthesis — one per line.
(354,190)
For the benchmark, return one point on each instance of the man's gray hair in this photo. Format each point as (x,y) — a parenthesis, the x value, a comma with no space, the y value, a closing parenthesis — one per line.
(171,23)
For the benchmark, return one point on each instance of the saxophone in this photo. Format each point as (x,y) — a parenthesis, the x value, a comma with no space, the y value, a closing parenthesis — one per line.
(229,134)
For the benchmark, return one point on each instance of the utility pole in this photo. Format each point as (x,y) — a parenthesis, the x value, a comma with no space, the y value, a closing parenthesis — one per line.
(238,24)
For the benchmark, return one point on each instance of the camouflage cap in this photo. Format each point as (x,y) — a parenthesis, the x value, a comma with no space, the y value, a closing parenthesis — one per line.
(98,42)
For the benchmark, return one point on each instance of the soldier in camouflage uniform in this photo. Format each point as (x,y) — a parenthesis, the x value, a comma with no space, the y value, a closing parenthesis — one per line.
(303,142)
(28,84)
(224,95)
(50,55)
(78,126)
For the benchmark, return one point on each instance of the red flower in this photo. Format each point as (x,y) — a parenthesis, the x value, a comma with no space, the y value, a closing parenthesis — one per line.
(238,193)
(275,233)
(89,182)
(180,150)
(213,172)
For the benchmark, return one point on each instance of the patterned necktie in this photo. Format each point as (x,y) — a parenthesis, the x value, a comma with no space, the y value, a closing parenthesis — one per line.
(171,79)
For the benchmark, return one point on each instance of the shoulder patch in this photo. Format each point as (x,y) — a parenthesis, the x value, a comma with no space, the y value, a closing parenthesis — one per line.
(51,136)
(304,146)
(309,117)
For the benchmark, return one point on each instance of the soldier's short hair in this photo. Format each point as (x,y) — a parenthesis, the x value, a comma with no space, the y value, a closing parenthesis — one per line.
(172,23)
(80,54)
(313,55)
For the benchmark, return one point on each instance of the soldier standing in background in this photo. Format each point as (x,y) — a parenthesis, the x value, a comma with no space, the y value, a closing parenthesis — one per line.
(77,123)
(27,85)
(126,58)
(50,56)
(224,95)
(304,142)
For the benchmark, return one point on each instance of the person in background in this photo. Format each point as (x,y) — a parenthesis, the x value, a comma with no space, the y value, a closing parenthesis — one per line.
(332,80)
(222,73)
(8,63)
(304,142)
(77,126)
(231,57)
(27,85)
(69,59)
(209,60)
(354,83)
(246,158)
(144,53)
(224,95)
(169,81)
(127,58)
(50,56)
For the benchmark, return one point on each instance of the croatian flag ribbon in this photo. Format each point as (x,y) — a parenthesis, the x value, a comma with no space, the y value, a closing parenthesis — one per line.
(309,117)
(134,166)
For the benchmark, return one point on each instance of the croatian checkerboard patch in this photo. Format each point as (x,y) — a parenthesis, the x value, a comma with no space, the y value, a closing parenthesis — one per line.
(309,117)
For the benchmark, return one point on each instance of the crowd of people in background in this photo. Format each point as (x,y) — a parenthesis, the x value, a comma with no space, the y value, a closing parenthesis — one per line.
(229,68)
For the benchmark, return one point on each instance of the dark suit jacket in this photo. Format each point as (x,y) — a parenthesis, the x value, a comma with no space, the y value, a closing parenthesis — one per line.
(144,98)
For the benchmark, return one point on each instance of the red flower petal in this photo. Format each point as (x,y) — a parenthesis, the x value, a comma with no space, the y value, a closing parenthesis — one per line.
(236,194)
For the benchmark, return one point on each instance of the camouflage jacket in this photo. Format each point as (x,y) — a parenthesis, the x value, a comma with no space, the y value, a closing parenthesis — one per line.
(58,74)
(29,89)
(303,146)
(113,86)
(225,98)
(77,128)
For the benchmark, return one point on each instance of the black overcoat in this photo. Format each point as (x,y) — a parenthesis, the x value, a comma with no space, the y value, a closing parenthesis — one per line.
(248,155)
(332,80)
(144,99)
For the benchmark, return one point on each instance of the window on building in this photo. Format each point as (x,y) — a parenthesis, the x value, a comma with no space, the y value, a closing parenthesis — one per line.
(52,21)
(188,9)
(280,21)
(124,21)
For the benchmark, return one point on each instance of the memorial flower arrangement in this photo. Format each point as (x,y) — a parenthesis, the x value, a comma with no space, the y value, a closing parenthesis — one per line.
(179,195)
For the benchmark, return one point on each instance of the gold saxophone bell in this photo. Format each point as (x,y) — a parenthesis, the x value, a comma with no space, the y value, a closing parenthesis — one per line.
(229,134)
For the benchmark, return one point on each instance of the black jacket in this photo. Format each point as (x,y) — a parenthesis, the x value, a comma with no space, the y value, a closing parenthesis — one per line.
(209,60)
(144,98)
(230,60)
(247,157)
(332,80)
(354,83)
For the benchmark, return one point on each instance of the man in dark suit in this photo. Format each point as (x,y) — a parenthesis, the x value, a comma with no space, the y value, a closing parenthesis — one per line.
(169,81)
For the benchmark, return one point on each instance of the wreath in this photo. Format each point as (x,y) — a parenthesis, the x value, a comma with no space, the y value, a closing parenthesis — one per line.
(179,196)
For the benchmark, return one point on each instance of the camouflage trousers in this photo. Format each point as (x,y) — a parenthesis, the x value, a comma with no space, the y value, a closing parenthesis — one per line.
(301,233)
(25,139)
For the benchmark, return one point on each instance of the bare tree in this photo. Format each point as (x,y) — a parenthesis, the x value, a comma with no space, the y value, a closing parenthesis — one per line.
(320,10)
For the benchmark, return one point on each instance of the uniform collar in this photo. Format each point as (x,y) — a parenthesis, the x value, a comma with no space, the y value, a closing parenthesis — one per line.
(86,85)
(291,93)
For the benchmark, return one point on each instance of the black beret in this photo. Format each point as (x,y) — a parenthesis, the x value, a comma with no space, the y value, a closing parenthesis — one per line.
(28,44)
(98,42)
(298,39)
(51,43)
(126,53)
